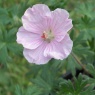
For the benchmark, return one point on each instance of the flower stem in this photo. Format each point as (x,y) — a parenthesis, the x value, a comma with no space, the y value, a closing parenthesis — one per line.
(80,63)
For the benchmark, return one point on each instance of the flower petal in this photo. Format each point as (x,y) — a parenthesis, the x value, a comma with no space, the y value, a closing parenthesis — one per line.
(33,19)
(59,50)
(37,55)
(40,9)
(27,39)
(60,23)
(67,45)
(53,50)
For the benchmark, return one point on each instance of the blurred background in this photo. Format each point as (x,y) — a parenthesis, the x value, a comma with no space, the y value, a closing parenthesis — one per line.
(16,74)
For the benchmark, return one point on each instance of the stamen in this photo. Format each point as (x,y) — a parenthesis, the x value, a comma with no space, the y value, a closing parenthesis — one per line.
(48,36)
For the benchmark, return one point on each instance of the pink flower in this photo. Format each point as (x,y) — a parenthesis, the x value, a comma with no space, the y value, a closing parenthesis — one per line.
(44,34)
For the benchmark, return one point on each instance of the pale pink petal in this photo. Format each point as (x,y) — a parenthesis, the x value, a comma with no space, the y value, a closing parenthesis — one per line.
(27,39)
(27,56)
(34,18)
(67,45)
(32,21)
(59,50)
(60,23)
(37,55)
(40,9)
(54,50)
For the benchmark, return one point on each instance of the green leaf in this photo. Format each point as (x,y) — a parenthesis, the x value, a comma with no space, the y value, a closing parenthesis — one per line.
(4,55)
(87,9)
(8,44)
(79,39)
(47,78)
(78,87)
(18,90)
(72,64)
(4,17)
(4,78)
(42,84)
(89,91)
(80,84)
(81,51)
(30,90)
(91,69)
(33,90)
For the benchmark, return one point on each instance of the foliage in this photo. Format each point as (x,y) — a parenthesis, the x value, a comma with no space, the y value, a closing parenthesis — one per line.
(18,77)
(79,87)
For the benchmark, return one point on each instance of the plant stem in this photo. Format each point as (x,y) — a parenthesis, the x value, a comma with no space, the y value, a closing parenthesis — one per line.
(80,63)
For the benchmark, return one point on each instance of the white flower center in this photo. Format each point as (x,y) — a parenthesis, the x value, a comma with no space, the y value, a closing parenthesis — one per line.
(48,36)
